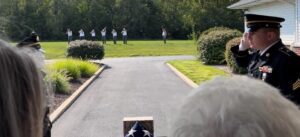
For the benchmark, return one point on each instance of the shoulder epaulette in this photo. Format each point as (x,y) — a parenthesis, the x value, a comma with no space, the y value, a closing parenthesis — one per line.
(286,51)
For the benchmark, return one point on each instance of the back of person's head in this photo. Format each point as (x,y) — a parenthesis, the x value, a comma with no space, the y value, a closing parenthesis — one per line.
(21,105)
(237,107)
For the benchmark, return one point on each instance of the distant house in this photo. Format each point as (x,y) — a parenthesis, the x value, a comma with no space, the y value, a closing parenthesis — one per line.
(288,9)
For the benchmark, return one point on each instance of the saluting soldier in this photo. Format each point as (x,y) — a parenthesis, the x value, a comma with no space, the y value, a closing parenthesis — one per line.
(81,34)
(266,57)
(93,34)
(115,34)
(164,35)
(124,35)
(103,35)
(70,34)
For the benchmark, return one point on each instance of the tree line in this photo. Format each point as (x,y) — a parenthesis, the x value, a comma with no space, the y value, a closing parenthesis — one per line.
(143,19)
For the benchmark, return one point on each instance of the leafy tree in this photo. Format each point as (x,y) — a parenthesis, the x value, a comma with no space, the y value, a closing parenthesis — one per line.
(201,15)
(142,18)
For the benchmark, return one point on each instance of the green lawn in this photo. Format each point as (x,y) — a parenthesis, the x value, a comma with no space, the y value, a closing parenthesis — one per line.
(196,71)
(55,50)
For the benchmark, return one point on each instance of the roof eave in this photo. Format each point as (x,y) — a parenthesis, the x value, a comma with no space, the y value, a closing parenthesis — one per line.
(245,5)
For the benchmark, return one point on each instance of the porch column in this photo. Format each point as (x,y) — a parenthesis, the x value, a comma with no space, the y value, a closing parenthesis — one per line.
(296,45)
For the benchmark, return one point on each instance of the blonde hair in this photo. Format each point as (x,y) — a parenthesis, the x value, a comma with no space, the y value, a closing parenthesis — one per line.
(237,107)
(21,105)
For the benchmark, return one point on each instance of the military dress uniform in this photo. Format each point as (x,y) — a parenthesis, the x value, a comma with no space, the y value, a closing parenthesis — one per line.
(278,66)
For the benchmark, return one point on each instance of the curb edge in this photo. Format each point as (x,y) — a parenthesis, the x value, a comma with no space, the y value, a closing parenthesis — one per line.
(69,101)
(182,76)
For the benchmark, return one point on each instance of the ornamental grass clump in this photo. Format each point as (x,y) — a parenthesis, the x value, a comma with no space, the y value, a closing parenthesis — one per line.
(87,69)
(60,81)
(69,66)
(64,71)
(84,49)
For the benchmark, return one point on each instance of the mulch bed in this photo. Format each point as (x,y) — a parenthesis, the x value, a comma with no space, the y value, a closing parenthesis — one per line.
(60,98)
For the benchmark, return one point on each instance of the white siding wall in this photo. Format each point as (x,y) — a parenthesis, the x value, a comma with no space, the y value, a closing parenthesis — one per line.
(279,9)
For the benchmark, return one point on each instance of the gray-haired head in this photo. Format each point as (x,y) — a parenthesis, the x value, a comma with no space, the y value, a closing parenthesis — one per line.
(237,107)
(36,55)
(21,107)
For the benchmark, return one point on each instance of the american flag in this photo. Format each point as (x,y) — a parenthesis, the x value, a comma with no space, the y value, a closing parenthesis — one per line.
(137,130)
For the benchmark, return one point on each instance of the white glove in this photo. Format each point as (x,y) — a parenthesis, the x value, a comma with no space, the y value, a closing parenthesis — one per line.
(244,44)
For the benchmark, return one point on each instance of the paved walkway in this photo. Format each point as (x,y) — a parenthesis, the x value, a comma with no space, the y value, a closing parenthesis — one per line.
(139,86)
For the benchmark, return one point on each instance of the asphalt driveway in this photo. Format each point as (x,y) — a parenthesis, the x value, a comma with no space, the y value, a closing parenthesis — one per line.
(135,86)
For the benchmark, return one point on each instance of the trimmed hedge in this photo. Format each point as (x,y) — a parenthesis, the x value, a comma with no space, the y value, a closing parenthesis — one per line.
(211,46)
(229,57)
(213,29)
(84,49)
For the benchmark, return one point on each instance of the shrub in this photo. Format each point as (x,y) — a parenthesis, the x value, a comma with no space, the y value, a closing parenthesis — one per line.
(69,66)
(229,57)
(60,80)
(87,69)
(211,47)
(84,49)
(213,29)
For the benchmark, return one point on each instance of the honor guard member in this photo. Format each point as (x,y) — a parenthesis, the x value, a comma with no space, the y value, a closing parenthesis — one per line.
(164,35)
(93,34)
(70,34)
(81,34)
(32,47)
(124,35)
(115,34)
(262,52)
(103,35)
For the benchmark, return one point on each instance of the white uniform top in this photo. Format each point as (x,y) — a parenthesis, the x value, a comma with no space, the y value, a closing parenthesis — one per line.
(81,33)
(103,33)
(164,33)
(93,33)
(124,33)
(114,33)
(69,33)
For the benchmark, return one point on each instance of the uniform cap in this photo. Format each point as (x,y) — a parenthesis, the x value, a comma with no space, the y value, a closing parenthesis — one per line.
(255,22)
(31,41)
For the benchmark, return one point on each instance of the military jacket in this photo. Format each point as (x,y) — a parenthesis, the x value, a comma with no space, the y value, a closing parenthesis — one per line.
(278,66)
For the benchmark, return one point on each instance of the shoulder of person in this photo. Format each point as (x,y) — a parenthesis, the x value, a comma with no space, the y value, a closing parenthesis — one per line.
(285,51)
(287,55)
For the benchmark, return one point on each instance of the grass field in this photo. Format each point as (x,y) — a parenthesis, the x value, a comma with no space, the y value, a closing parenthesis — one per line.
(56,50)
(196,71)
